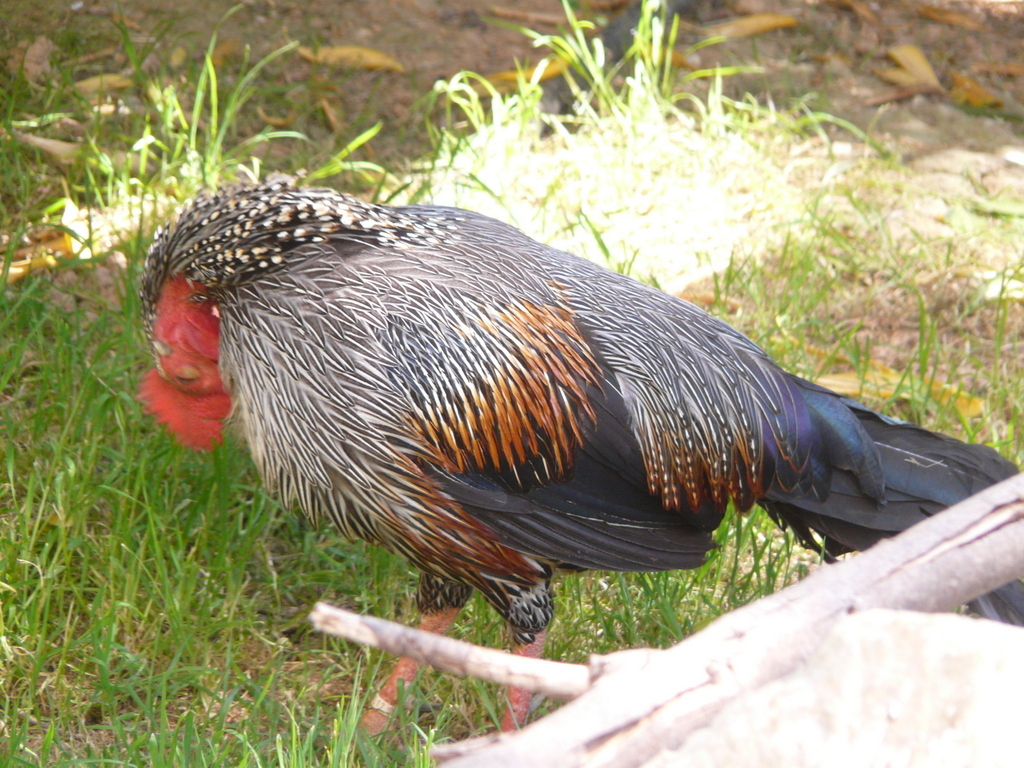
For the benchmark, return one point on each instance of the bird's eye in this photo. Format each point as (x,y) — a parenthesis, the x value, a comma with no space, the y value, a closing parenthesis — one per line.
(187,374)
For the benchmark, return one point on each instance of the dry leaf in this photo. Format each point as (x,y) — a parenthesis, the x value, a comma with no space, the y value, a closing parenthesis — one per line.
(946,16)
(526,18)
(75,221)
(22,269)
(1007,68)
(851,384)
(352,56)
(882,381)
(679,61)
(63,151)
(862,9)
(39,256)
(60,244)
(96,56)
(37,59)
(276,122)
(178,57)
(896,76)
(102,84)
(227,49)
(507,81)
(332,118)
(967,90)
(707,299)
(74,241)
(750,25)
(910,58)
(132,24)
(84,233)
(919,72)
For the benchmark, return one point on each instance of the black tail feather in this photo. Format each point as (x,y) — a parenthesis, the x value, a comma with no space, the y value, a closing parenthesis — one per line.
(1005,604)
(922,474)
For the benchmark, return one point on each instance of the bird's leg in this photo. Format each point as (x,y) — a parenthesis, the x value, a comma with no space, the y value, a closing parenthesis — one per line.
(519,698)
(379,712)
(439,601)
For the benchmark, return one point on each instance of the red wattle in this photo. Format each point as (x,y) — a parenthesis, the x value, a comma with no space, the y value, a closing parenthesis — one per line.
(195,421)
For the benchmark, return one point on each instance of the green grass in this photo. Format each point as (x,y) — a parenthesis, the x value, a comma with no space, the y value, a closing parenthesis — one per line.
(153,601)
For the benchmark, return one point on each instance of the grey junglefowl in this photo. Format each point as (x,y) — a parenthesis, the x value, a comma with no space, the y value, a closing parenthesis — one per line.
(495,410)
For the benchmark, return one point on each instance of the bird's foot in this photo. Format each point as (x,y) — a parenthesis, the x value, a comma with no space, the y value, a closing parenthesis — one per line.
(377,716)
(520,701)
(521,704)
(379,713)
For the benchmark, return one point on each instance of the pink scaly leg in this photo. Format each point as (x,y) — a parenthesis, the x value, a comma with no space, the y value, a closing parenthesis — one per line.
(519,699)
(377,715)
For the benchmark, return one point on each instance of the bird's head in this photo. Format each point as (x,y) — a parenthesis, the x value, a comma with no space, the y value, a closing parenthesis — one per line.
(185,391)
(214,241)
(219,242)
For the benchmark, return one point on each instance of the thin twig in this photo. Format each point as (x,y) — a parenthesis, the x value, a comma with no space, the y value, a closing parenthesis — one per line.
(555,679)
(902,93)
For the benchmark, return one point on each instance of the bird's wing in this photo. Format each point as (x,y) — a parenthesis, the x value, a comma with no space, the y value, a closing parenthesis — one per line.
(582,416)
(692,415)
(600,515)
(521,425)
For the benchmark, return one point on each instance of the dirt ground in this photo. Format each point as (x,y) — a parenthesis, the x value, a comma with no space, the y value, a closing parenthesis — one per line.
(830,59)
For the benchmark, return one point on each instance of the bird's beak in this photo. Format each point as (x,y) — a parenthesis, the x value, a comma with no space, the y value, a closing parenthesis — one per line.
(162,350)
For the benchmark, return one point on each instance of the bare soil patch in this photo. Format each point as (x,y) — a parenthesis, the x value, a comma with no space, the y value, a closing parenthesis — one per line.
(830,59)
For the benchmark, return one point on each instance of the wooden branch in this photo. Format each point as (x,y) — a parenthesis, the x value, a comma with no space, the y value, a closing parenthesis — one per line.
(642,703)
(560,681)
